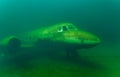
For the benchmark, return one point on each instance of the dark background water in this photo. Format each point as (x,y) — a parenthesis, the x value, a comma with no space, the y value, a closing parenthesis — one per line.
(101,17)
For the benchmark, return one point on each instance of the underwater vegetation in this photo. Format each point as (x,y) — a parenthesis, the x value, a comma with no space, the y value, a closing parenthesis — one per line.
(61,42)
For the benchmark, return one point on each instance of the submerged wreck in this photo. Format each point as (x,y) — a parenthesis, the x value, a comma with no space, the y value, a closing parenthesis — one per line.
(60,37)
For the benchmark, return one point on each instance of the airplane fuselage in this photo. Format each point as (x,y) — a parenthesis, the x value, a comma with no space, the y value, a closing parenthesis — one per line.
(64,36)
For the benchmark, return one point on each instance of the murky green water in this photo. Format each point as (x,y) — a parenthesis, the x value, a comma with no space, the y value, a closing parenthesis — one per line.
(100,17)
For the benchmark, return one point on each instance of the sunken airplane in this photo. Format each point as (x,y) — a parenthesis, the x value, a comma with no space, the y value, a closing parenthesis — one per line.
(60,37)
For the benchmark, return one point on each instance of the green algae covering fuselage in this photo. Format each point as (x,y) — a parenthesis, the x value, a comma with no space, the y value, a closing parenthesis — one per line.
(63,36)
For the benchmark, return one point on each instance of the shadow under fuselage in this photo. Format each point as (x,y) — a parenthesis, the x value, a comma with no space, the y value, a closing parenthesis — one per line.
(23,56)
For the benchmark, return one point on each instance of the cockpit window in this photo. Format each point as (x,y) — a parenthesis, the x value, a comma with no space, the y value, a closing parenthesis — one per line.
(63,28)
(66,28)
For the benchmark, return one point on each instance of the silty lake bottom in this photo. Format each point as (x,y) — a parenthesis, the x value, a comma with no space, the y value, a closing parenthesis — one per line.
(100,17)
(92,62)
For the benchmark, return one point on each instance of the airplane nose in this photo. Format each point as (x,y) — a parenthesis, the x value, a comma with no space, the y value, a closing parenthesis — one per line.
(89,41)
(82,38)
